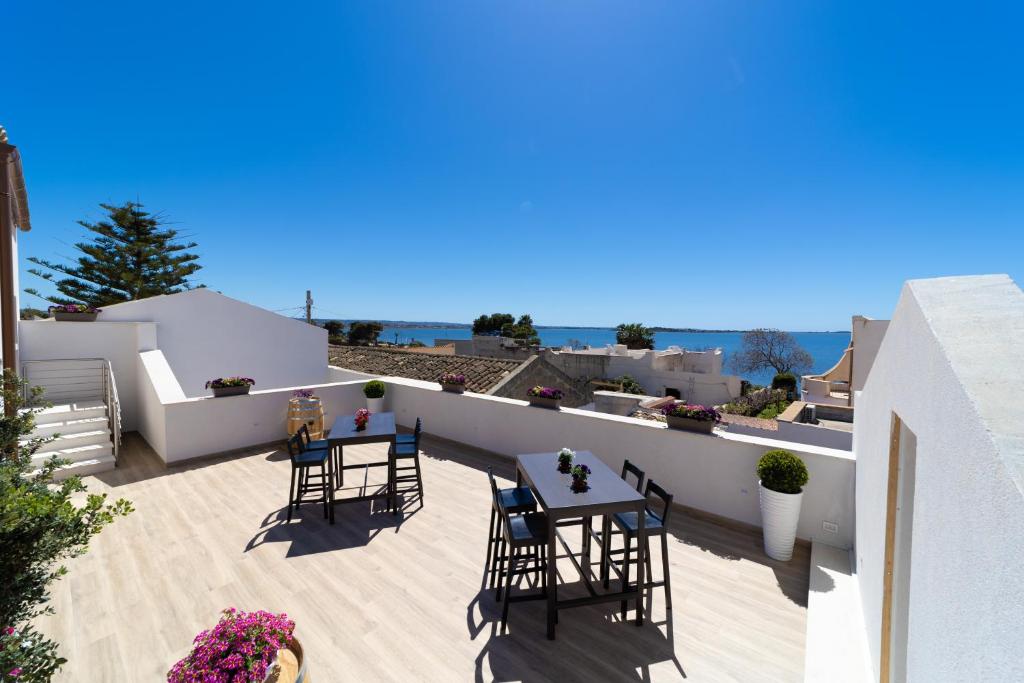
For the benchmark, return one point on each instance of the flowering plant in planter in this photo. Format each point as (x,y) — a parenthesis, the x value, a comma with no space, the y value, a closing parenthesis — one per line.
(695,412)
(579,478)
(545,392)
(224,382)
(239,649)
(73,308)
(303,393)
(453,378)
(565,457)
(362,417)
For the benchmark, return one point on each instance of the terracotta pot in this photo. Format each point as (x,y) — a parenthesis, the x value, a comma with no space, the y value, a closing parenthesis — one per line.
(230,391)
(541,402)
(453,388)
(690,425)
(68,316)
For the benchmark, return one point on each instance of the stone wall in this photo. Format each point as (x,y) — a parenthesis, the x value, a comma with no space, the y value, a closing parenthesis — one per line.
(537,371)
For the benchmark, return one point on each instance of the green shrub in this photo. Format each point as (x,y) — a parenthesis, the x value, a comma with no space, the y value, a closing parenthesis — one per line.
(374,389)
(629,385)
(773,410)
(785,380)
(782,471)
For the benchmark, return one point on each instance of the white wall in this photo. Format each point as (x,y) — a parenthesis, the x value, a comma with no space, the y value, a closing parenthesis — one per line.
(205,335)
(949,366)
(810,434)
(712,473)
(119,343)
(867,335)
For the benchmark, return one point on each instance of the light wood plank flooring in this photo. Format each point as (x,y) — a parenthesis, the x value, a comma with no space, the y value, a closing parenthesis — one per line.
(384,598)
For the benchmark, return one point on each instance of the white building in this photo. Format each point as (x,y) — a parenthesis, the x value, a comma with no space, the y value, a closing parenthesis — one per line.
(839,384)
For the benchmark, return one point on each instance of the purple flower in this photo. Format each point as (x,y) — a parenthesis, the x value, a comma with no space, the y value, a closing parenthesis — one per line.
(452,378)
(545,392)
(15,672)
(303,393)
(694,412)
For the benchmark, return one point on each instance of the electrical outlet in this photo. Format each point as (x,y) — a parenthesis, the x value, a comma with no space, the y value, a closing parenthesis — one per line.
(830,527)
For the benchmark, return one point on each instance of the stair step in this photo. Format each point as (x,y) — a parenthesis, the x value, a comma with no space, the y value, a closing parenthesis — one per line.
(76,453)
(76,410)
(66,427)
(77,439)
(81,468)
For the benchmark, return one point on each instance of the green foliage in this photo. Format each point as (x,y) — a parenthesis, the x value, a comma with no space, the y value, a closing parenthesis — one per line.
(782,471)
(786,381)
(416,344)
(29,313)
(364,333)
(491,325)
(766,348)
(42,523)
(335,328)
(753,403)
(635,336)
(772,410)
(628,385)
(374,389)
(522,331)
(129,258)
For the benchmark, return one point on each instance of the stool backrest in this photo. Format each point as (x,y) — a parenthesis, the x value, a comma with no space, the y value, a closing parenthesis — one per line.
(295,446)
(304,433)
(497,498)
(629,468)
(416,432)
(666,500)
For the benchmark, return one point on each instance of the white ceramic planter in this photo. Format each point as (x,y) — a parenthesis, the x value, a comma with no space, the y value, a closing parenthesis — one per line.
(780,513)
(375,405)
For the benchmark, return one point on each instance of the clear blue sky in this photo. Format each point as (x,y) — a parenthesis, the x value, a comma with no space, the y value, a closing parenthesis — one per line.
(706,164)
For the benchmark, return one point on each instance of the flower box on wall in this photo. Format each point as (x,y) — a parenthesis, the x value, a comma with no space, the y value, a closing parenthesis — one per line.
(695,418)
(229,391)
(690,425)
(541,402)
(76,313)
(230,386)
(453,383)
(544,397)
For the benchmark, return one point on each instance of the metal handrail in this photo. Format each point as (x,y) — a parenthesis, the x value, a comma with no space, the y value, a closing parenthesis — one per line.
(108,389)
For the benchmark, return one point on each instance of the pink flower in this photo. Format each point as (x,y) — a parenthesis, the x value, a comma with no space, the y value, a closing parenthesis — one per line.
(15,672)
(9,631)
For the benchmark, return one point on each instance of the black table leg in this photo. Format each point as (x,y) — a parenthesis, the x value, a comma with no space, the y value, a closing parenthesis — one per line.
(641,551)
(552,580)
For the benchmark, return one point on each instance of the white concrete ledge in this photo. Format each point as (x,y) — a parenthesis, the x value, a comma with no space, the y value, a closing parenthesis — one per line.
(836,649)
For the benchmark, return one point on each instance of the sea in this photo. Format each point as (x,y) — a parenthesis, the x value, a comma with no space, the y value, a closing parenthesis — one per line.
(825,348)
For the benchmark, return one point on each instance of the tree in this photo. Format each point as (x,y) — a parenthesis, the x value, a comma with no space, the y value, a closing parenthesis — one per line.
(491,325)
(364,333)
(522,331)
(42,523)
(335,328)
(634,336)
(130,258)
(767,348)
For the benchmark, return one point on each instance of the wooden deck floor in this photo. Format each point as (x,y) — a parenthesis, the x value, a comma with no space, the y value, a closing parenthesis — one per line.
(384,598)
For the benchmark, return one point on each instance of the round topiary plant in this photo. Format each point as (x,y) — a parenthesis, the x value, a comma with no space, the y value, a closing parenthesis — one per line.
(374,389)
(785,380)
(782,471)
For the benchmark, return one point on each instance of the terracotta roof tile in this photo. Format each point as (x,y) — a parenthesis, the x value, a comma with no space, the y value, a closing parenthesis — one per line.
(482,374)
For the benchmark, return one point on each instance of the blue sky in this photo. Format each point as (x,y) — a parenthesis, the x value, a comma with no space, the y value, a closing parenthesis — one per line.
(726,164)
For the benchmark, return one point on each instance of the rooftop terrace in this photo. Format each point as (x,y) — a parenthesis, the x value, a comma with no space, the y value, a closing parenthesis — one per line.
(379,597)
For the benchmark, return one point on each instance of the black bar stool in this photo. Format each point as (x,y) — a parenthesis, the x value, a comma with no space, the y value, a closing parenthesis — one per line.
(305,481)
(411,438)
(527,531)
(656,525)
(628,470)
(408,450)
(515,501)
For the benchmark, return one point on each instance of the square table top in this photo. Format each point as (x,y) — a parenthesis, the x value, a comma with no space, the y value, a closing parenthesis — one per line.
(608,491)
(380,427)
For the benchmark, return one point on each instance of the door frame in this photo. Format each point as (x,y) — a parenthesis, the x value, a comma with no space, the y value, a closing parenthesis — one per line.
(891,500)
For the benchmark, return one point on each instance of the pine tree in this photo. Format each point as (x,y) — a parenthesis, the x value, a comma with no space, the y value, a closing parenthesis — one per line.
(130,258)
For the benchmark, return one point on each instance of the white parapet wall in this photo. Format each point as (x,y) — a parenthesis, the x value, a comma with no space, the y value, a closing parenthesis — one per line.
(715,474)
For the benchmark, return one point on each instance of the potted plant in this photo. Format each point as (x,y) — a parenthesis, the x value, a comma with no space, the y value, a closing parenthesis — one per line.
(565,458)
(453,382)
(362,418)
(374,392)
(579,478)
(230,386)
(79,313)
(695,418)
(545,397)
(781,476)
(247,647)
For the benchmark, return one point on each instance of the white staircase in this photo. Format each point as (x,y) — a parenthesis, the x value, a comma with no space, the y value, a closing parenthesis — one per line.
(84,422)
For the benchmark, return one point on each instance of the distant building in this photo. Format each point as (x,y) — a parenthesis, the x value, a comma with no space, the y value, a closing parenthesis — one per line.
(839,385)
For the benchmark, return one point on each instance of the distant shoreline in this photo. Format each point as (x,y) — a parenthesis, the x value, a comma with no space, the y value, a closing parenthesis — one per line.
(401,324)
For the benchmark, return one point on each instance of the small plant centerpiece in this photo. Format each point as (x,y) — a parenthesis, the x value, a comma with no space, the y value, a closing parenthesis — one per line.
(361,419)
(79,313)
(695,418)
(565,458)
(545,397)
(230,386)
(579,478)
(453,382)
(244,647)
(374,393)
(305,408)
(782,477)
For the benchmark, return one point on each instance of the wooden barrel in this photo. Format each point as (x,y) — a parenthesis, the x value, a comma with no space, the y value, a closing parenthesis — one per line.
(306,411)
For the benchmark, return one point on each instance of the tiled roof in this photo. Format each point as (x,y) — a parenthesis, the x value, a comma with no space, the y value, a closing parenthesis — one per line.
(482,374)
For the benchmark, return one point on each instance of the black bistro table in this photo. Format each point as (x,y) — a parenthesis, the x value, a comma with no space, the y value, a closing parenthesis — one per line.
(608,494)
(379,429)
